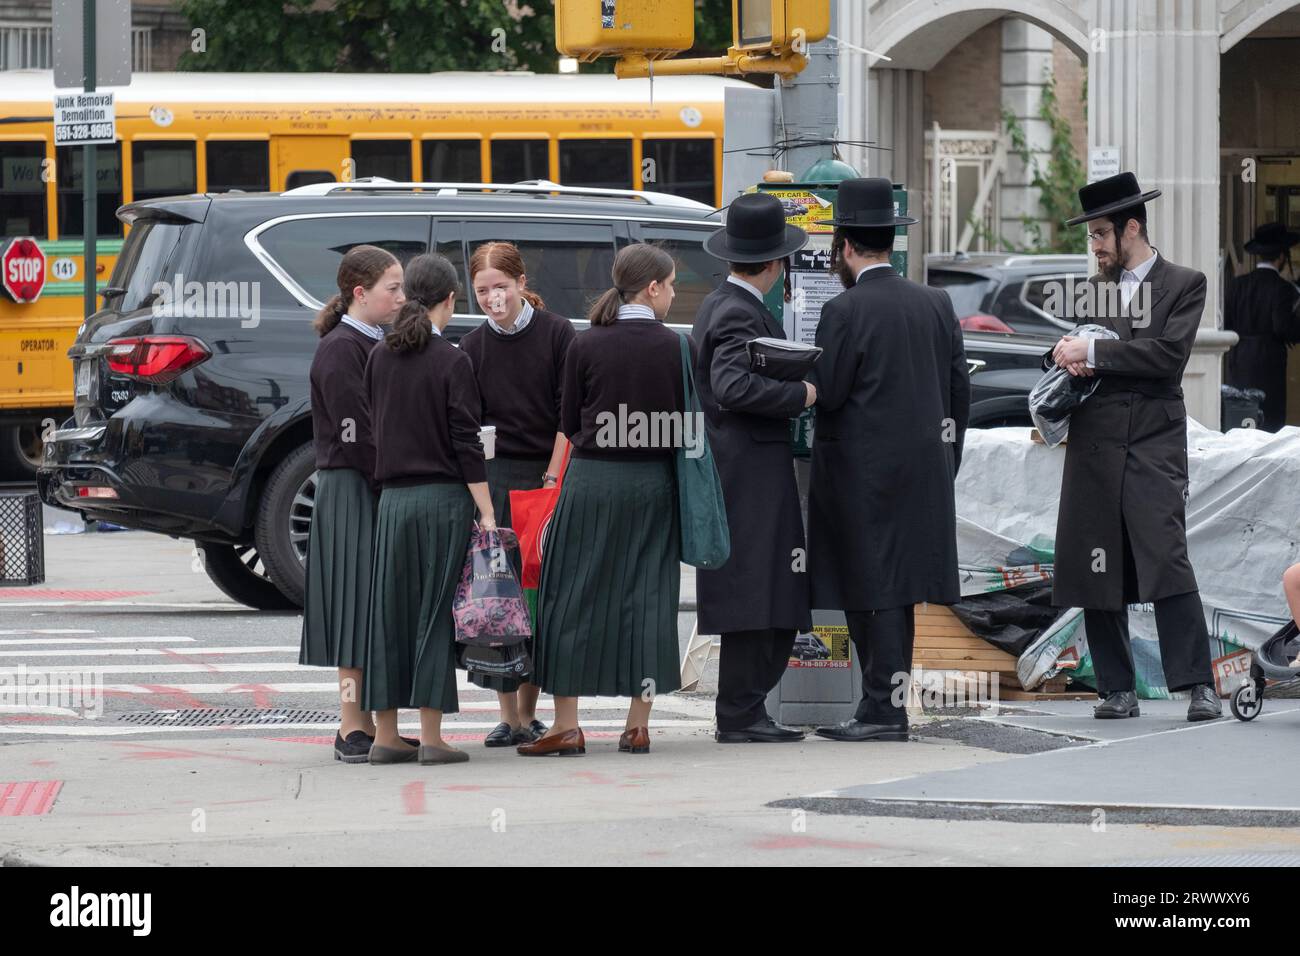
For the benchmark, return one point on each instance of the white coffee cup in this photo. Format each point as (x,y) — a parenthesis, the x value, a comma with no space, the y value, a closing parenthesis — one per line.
(487,436)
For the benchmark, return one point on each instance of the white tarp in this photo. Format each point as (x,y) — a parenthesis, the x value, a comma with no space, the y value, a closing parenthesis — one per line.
(1243,531)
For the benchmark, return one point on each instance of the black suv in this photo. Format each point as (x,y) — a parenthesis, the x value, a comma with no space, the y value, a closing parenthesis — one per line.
(1005,292)
(191,415)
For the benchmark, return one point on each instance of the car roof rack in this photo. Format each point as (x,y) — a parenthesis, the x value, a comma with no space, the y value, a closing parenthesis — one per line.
(527,187)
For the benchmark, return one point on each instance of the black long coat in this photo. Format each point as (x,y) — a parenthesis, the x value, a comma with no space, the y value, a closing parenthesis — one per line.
(764,583)
(1126,455)
(1261,308)
(893,401)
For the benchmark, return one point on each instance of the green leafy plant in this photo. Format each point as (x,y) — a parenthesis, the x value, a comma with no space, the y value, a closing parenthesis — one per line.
(1058,184)
(397,36)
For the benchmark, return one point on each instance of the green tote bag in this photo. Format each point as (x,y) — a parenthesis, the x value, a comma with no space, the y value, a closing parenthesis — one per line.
(706,539)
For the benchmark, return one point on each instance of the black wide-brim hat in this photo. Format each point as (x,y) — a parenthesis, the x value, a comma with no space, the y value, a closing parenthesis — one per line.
(866,204)
(1109,195)
(756,231)
(1272,238)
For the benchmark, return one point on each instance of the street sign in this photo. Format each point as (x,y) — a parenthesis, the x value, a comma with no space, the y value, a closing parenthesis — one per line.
(112,44)
(84,118)
(1103,162)
(22,269)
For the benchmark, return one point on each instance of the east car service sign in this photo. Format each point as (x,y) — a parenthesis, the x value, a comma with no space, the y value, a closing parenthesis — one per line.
(22,270)
(81,119)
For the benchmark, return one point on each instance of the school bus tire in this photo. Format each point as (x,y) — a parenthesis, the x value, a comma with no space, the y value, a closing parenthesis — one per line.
(20,451)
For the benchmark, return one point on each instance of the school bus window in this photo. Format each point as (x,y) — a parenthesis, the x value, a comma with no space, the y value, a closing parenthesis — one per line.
(162,169)
(69,164)
(599,163)
(514,160)
(239,164)
(452,161)
(22,193)
(683,167)
(389,158)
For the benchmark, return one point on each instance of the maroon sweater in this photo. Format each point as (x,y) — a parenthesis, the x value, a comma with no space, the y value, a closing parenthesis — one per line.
(636,364)
(340,415)
(424,413)
(519,379)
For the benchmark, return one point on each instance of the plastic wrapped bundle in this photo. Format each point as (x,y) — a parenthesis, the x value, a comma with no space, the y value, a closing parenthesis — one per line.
(1058,392)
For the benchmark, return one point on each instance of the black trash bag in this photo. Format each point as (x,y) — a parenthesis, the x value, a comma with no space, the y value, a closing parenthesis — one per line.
(1009,620)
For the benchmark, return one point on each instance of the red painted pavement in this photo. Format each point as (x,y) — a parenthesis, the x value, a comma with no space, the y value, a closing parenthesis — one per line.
(67,594)
(28,798)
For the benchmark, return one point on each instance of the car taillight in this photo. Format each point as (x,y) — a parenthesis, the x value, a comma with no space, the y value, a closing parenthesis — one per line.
(157,359)
(980,322)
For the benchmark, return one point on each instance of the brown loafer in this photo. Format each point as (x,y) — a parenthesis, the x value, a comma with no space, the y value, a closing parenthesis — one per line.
(570,743)
(635,741)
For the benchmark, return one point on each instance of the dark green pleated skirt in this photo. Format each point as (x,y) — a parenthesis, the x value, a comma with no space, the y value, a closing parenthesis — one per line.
(336,611)
(504,476)
(421,537)
(511,474)
(607,604)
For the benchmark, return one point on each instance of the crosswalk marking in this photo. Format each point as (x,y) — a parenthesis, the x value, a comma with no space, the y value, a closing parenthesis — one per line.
(154,652)
(63,641)
(95,730)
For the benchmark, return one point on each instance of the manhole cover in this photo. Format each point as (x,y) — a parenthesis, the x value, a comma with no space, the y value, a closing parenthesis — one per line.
(224,716)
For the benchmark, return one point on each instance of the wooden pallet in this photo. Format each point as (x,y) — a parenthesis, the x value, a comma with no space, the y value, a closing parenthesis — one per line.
(944,643)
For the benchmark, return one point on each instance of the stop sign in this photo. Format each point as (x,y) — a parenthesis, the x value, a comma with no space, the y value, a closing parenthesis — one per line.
(22,269)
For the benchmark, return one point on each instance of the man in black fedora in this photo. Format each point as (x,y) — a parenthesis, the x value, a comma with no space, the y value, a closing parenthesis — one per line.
(1263,308)
(893,400)
(758,600)
(1121,532)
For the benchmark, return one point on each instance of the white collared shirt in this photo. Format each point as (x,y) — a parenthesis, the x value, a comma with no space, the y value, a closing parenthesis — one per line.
(1268,265)
(874,265)
(637,313)
(436,331)
(1129,281)
(747,286)
(525,316)
(370,331)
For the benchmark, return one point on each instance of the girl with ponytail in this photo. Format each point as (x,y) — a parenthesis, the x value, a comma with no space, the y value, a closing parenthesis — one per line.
(607,601)
(425,409)
(518,356)
(337,601)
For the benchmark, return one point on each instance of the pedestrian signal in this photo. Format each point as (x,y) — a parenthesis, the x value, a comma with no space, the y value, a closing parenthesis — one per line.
(779,25)
(588,29)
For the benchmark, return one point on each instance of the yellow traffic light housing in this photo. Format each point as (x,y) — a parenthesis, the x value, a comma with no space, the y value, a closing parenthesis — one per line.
(651,29)
(779,26)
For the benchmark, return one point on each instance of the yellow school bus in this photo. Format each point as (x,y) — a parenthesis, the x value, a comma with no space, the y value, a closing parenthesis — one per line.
(182,133)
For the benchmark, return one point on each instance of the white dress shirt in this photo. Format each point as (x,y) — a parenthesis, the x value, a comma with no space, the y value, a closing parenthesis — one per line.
(525,316)
(874,265)
(747,286)
(1129,281)
(370,331)
(637,313)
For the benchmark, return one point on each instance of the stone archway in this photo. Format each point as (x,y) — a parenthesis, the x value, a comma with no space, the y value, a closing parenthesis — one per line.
(902,29)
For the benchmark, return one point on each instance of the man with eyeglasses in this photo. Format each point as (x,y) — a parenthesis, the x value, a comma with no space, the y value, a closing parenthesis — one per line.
(1121,530)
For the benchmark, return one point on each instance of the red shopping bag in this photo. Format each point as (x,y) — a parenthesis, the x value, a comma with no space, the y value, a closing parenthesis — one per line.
(530,514)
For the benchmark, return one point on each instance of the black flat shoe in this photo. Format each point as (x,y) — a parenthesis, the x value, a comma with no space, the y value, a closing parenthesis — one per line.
(765,731)
(1117,706)
(535,730)
(356,749)
(1205,704)
(856,730)
(501,736)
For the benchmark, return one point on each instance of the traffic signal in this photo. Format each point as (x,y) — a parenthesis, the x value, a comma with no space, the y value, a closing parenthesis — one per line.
(654,29)
(779,25)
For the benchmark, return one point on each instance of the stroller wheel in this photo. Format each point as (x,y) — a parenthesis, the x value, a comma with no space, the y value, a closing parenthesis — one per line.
(1247,701)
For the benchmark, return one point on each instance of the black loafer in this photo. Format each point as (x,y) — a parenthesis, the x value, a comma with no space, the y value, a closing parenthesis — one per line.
(501,736)
(356,749)
(1117,705)
(1205,704)
(765,731)
(856,730)
(535,730)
